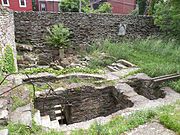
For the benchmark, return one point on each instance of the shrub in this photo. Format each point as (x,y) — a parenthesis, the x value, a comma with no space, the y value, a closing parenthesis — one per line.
(58,36)
(8,60)
(167,16)
(104,8)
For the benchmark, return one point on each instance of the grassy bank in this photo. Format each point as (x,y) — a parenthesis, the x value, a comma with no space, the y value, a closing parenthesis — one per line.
(154,57)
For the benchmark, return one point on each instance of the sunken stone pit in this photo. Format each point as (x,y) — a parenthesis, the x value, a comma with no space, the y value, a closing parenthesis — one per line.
(81,103)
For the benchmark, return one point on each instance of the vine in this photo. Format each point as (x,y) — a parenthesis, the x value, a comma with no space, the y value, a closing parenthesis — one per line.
(8,60)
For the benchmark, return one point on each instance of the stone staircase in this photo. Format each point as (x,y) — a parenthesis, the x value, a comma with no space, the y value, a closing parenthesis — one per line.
(45,121)
(119,65)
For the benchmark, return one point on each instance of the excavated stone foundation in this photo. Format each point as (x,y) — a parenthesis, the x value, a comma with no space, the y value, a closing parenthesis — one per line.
(81,103)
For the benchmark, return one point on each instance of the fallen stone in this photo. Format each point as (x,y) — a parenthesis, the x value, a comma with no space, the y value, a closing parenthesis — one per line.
(126,63)
(3,103)
(4,132)
(22,115)
(55,67)
(44,59)
(3,117)
(24,47)
(139,76)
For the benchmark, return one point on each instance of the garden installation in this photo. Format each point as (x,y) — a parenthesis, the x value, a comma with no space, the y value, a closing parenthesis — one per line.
(90,73)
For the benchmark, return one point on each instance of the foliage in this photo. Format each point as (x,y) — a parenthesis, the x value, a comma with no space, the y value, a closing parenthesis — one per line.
(19,129)
(58,36)
(154,56)
(73,6)
(167,16)
(60,72)
(17,102)
(151,10)
(8,60)
(171,120)
(104,8)
(175,85)
(100,60)
(142,6)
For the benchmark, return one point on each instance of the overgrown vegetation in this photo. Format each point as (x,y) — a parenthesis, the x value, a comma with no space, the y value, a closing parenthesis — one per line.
(154,57)
(20,97)
(167,16)
(61,71)
(74,6)
(8,60)
(17,102)
(19,129)
(58,36)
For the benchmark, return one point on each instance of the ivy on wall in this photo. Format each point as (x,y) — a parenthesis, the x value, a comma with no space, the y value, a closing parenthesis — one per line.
(8,60)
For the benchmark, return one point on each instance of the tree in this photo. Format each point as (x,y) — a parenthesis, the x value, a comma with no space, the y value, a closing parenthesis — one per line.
(142,6)
(104,8)
(74,5)
(167,16)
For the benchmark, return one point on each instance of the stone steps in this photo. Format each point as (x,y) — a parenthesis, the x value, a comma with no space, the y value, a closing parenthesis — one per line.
(45,121)
(119,65)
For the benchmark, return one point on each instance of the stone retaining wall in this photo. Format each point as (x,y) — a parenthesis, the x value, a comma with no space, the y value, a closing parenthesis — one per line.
(7,36)
(86,102)
(31,27)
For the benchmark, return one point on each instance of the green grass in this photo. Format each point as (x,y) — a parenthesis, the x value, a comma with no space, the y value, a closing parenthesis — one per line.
(154,57)
(171,120)
(19,129)
(17,102)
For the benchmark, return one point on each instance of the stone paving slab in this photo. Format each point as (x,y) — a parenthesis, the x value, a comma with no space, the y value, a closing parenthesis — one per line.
(4,132)
(22,115)
(153,128)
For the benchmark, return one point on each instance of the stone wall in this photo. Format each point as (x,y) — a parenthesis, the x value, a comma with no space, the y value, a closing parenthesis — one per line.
(31,26)
(7,36)
(86,102)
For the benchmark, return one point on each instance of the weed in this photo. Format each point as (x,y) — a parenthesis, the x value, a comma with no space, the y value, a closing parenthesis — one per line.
(19,129)
(17,102)
(8,60)
(61,71)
